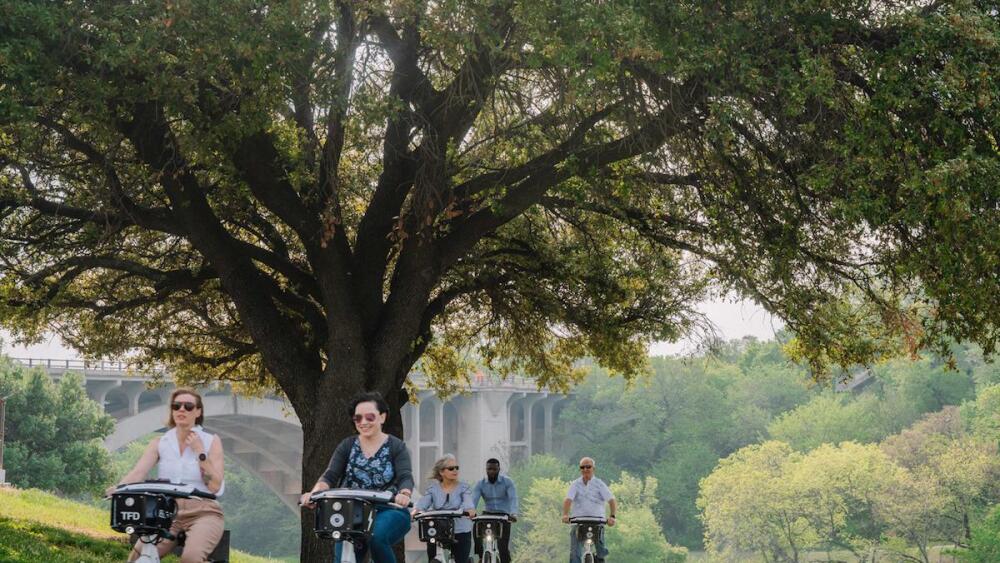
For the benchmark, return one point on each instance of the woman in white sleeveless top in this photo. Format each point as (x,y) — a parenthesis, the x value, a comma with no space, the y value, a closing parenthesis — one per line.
(187,454)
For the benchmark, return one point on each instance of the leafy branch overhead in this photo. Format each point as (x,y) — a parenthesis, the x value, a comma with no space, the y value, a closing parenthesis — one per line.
(310,190)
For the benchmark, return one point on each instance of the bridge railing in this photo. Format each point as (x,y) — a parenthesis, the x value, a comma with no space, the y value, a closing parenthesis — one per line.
(478,381)
(77,364)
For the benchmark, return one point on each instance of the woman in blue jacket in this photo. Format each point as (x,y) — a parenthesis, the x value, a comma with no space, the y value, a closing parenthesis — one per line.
(446,492)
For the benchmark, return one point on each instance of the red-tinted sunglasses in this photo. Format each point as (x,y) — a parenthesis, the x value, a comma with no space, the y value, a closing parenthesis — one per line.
(369,416)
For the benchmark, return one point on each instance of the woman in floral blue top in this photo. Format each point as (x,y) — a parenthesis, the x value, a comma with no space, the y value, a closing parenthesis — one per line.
(374,461)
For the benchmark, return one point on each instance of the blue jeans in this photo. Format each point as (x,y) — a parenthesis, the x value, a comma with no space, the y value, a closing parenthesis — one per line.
(391,526)
(576,547)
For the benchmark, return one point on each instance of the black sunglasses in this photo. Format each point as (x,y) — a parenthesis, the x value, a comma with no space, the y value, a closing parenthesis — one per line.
(452,468)
(586,467)
(186,405)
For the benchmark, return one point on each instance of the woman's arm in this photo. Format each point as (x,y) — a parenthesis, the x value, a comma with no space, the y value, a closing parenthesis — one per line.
(425,501)
(402,466)
(142,467)
(333,474)
(212,467)
(467,505)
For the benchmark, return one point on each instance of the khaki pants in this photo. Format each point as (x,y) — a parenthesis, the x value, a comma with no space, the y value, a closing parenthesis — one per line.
(201,520)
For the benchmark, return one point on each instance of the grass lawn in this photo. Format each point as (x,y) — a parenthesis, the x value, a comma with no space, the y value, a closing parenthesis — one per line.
(37,526)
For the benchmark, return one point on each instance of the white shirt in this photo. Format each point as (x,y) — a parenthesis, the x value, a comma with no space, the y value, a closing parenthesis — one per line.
(183,468)
(588,498)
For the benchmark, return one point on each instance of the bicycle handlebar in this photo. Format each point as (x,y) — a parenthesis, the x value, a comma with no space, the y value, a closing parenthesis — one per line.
(587,520)
(177,490)
(440,514)
(496,517)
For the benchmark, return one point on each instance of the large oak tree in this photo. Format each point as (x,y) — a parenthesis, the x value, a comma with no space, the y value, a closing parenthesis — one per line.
(314,196)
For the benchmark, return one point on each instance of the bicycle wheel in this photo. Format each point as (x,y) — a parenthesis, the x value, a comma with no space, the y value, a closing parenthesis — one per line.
(588,558)
(487,557)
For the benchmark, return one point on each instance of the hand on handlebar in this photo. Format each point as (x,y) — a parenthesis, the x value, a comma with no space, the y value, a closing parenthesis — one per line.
(565,519)
(304,500)
(471,513)
(513,518)
(110,490)
(402,499)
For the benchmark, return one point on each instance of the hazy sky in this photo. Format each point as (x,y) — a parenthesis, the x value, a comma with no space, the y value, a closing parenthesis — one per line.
(731,320)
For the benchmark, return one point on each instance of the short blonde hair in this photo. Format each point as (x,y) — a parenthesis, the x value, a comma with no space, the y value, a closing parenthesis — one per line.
(439,466)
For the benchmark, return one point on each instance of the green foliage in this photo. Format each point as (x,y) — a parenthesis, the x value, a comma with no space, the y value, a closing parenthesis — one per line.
(563,179)
(677,423)
(541,466)
(747,507)
(542,535)
(830,418)
(54,432)
(636,535)
(257,519)
(984,414)
(927,484)
(985,544)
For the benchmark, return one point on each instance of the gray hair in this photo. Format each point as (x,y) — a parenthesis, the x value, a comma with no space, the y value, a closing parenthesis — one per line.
(439,465)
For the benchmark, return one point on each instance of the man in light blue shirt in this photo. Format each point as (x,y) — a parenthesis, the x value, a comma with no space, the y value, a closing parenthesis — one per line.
(586,498)
(500,495)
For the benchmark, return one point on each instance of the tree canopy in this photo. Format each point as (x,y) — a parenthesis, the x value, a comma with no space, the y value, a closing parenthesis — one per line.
(314,195)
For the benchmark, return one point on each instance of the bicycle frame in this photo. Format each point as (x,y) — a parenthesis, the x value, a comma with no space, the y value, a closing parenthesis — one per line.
(488,528)
(437,527)
(589,531)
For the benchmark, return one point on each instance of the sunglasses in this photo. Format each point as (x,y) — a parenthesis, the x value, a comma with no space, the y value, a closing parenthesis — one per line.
(586,467)
(369,416)
(452,468)
(186,405)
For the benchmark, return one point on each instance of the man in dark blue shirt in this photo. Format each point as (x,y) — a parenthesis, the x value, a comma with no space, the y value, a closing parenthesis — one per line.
(500,495)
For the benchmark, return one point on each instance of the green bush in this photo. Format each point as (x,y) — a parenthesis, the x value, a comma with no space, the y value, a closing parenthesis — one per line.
(985,544)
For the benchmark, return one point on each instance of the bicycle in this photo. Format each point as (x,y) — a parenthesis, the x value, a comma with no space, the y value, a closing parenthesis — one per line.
(588,530)
(348,516)
(147,509)
(438,527)
(489,529)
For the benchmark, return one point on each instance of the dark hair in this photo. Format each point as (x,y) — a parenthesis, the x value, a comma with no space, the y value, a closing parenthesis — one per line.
(197,399)
(369,397)
(493,460)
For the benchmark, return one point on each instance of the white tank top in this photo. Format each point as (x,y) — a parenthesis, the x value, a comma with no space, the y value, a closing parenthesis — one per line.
(183,468)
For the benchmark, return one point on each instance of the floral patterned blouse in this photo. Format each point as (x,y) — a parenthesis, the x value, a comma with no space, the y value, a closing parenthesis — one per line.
(373,473)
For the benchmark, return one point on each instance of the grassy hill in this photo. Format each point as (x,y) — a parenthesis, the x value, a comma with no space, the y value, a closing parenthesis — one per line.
(37,526)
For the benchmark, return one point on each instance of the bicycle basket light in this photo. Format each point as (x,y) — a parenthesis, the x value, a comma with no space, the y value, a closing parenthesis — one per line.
(143,513)
(343,518)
